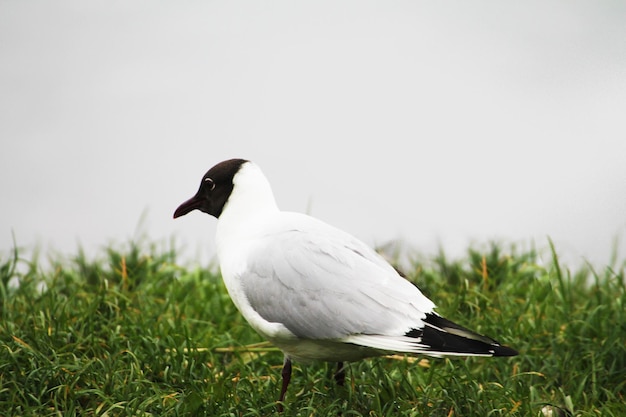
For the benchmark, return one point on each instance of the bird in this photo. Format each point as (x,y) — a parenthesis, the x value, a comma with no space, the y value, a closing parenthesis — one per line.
(314,291)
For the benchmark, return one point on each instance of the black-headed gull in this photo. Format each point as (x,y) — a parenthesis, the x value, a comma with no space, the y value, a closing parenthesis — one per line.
(313,290)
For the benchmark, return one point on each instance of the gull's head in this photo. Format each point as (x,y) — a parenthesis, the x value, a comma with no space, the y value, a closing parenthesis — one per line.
(233,182)
(215,189)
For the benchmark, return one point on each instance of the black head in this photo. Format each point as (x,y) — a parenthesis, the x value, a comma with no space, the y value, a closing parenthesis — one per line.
(215,188)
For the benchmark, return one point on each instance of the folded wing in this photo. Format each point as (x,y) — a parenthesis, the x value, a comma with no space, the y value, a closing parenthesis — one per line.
(322,283)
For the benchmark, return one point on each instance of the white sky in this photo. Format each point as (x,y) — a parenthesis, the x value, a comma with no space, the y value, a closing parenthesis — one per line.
(438,123)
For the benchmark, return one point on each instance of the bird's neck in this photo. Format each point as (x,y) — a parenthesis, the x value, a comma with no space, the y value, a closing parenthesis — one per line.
(250,203)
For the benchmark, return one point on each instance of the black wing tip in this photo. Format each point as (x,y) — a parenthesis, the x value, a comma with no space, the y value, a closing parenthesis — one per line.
(442,335)
(504,351)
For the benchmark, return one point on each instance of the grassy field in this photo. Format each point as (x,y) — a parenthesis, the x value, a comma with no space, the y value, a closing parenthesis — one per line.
(136,334)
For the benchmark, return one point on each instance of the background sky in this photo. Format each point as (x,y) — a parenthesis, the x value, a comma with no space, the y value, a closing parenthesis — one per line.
(437,123)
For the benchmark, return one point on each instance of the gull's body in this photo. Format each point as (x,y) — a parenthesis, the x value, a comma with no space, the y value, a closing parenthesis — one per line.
(313,290)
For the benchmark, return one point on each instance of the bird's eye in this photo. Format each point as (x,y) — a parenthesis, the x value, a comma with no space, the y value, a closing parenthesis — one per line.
(209,182)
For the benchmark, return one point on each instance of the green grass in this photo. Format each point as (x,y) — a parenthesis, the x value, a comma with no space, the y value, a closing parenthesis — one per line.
(134,333)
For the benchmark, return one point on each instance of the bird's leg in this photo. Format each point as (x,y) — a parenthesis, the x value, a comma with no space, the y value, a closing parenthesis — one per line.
(286,373)
(340,375)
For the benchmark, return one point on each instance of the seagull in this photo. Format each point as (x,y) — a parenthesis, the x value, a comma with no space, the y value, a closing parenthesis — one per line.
(314,291)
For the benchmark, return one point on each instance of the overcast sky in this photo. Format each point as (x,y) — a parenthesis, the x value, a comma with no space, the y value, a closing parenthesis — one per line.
(438,123)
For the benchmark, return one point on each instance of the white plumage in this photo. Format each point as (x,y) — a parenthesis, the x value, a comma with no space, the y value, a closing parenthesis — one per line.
(313,290)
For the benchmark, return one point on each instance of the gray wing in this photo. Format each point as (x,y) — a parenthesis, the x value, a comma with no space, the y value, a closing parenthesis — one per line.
(322,283)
